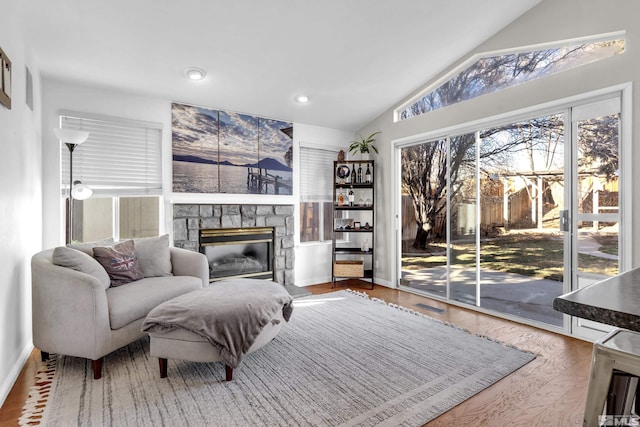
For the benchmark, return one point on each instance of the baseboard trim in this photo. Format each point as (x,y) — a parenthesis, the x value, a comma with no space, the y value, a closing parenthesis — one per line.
(8,383)
(382,282)
(312,281)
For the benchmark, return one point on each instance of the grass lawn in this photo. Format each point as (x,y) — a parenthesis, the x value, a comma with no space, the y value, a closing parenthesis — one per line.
(532,254)
(609,243)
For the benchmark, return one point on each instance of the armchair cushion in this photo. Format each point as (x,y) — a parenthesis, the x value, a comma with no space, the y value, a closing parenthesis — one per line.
(154,256)
(80,261)
(135,300)
(120,262)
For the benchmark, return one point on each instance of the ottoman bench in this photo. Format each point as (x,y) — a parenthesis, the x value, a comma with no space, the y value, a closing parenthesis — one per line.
(221,322)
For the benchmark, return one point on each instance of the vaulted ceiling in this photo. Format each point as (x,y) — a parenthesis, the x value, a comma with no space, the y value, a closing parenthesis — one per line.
(353,58)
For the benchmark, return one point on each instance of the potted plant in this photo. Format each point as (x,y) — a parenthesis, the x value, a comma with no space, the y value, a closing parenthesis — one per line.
(364,146)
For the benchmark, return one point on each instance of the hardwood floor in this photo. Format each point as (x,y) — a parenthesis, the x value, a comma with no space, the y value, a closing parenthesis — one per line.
(549,391)
(12,407)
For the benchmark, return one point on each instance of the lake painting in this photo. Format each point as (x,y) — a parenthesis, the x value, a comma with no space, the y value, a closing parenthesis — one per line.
(225,152)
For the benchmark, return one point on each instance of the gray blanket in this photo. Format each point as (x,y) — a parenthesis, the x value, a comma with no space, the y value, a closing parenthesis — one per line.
(229,314)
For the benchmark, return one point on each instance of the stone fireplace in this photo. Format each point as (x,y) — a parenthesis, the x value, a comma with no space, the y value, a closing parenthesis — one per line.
(190,219)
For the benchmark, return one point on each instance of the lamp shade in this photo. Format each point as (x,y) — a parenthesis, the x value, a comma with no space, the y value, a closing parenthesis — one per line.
(71,136)
(81,191)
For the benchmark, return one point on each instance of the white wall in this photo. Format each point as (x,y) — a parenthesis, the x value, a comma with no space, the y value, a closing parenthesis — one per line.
(21,206)
(551,20)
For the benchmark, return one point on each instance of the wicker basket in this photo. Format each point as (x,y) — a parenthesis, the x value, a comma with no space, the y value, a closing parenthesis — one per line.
(344,268)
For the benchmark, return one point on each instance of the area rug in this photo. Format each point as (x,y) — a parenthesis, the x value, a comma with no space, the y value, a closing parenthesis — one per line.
(343,360)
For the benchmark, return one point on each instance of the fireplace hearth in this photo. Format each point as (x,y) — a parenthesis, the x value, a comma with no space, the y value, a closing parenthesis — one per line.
(238,252)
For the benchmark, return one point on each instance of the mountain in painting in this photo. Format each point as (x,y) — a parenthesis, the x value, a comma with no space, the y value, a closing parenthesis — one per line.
(271,164)
(192,159)
(196,159)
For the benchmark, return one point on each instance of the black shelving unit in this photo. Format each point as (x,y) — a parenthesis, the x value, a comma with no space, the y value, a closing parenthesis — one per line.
(355,218)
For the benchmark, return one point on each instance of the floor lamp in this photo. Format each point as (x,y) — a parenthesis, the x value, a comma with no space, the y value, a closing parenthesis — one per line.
(72,138)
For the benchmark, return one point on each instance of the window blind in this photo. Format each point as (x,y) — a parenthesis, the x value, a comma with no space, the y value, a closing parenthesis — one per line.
(120,157)
(316,174)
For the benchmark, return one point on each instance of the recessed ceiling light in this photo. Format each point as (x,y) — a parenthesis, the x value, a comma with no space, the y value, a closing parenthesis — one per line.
(302,99)
(195,73)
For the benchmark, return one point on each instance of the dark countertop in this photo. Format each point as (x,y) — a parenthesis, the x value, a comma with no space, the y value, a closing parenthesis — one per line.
(614,301)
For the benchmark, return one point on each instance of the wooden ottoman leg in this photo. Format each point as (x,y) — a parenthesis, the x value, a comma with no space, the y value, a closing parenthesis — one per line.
(229,372)
(97,369)
(163,367)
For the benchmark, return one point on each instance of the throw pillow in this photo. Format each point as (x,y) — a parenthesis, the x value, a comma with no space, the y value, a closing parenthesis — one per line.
(120,262)
(80,261)
(87,247)
(153,255)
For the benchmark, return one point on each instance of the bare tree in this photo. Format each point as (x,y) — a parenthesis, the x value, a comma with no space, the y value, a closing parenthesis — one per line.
(424,166)
(494,73)
(424,180)
(599,145)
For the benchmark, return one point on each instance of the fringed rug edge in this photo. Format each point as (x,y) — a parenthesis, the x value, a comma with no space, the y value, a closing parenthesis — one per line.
(36,403)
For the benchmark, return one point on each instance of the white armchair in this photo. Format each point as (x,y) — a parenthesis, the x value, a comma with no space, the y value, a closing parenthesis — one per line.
(76,314)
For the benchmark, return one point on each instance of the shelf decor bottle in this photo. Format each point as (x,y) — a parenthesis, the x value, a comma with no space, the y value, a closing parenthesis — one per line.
(359,181)
(340,199)
(351,197)
(367,175)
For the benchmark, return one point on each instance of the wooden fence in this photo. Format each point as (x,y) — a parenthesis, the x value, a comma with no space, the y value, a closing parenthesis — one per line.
(491,215)
(521,212)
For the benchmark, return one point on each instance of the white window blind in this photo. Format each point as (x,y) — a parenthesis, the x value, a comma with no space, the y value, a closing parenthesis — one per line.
(120,157)
(316,174)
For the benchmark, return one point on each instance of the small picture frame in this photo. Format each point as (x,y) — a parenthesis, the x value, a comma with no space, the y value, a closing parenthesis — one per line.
(356,225)
(5,80)
(342,172)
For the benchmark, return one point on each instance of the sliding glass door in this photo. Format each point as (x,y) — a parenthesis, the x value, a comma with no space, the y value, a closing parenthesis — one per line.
(596,138)
(439,251)
(463,219)
(424,264)
(509,217)
(522,250)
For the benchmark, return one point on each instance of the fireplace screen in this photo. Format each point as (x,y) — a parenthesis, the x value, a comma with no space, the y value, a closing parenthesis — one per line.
(238,252)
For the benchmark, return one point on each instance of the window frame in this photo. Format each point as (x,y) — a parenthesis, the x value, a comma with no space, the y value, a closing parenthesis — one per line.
(329,198)
(115,192)
(471,60)
(115,213)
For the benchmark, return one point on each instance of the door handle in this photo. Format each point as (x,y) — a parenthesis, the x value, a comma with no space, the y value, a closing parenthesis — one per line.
(564,220)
